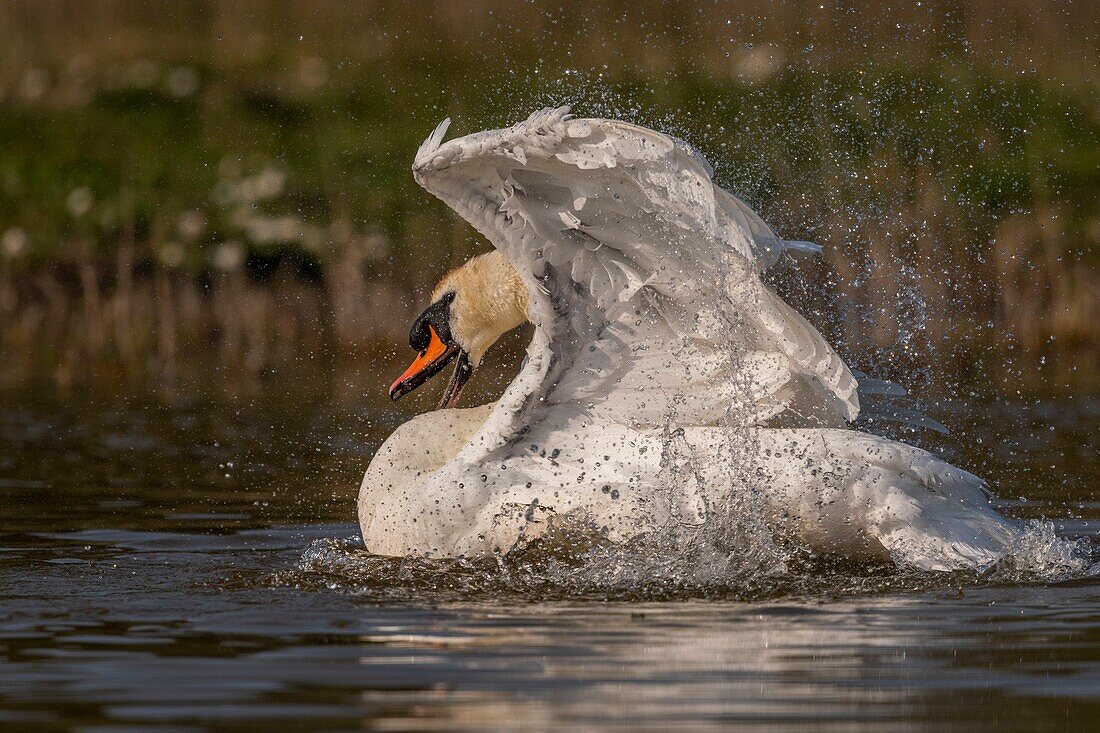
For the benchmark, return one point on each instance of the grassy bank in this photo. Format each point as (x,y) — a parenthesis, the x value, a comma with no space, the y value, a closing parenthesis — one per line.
(220,184)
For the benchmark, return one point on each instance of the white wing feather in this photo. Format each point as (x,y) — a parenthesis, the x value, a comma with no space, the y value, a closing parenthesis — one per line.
(631,254)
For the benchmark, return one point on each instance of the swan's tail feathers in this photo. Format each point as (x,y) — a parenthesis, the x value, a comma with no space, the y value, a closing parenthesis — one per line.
(927,513)
(972,548)
(931,524)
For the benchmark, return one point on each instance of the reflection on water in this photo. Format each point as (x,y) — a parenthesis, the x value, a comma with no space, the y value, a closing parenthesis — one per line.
(187,566)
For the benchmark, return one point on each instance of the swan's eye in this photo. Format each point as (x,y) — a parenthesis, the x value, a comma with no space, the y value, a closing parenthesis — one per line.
(438,316)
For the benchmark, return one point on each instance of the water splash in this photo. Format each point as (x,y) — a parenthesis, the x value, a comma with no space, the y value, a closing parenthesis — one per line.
(566,565)
(1042,555)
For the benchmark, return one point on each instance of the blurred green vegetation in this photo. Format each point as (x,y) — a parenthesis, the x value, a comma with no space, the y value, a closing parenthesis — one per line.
(953,151)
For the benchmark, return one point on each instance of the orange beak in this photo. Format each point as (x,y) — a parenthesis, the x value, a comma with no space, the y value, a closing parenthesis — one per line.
(427,364)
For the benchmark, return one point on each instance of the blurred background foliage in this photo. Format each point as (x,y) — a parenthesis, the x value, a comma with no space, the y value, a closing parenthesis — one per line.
(209,191)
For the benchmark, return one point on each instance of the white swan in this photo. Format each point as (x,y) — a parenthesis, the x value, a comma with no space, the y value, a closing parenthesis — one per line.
(663,376)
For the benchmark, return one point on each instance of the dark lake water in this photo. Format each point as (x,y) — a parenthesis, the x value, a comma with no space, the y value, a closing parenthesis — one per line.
(191,565)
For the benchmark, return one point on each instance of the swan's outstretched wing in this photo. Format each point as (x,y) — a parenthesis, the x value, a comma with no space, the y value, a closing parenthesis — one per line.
(644,278)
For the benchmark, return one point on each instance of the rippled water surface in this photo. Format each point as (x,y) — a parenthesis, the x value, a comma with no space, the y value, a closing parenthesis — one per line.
(192,566)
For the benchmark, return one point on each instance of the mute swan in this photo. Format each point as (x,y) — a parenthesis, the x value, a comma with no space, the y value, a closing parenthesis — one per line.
(663,373)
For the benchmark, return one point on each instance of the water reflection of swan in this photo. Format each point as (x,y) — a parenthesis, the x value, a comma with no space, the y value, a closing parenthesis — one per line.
(663,374)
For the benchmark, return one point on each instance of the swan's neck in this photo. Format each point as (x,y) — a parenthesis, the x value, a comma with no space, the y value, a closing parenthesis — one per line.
(490,300)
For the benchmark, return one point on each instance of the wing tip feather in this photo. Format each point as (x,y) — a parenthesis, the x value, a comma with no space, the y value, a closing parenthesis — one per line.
(431,143)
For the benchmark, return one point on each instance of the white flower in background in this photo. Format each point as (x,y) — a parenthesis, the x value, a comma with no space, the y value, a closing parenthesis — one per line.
(375,247)
(170,254)
(79,201)
(34,84)
(269,183)
(371,246)
(228,256)
(183,81)
(757,63)
(191,225)
(14,243)
(312,72)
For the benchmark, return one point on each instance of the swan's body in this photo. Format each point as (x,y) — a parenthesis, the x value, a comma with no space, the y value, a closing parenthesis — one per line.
(663,376)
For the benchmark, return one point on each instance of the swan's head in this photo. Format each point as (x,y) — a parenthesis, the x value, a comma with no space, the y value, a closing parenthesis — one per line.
(472,307)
